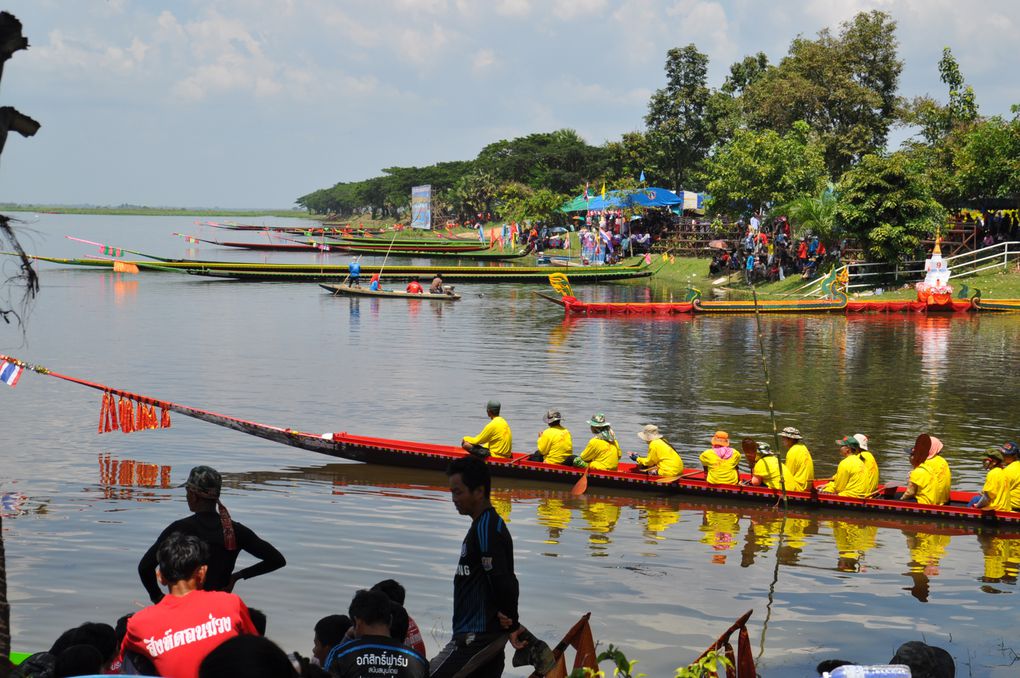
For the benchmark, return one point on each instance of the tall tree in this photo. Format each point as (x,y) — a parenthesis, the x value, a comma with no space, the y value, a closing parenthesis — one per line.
(885,203)
(677,125)
(757,169)
(843,86)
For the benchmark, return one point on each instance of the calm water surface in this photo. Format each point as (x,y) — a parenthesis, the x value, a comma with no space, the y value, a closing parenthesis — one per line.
(662,576)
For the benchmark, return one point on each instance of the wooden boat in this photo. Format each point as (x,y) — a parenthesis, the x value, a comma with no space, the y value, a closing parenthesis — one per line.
(486,255)
(337,272)
(347,291)
(291,246)
(463,274)
(837,302)
(433,456)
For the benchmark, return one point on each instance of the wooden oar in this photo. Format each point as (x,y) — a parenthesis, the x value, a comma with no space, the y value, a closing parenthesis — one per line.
(672,479)
(581,485)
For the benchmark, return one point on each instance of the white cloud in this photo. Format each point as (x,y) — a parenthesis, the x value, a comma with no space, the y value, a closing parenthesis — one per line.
(429,6)
(423,48)
(570,9)
(483,61)
(513,8)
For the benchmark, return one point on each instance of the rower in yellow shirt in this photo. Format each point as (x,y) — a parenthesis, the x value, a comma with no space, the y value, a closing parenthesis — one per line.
(766,467)
(495,439)
(554,444)
(798,460)
(720,462)
(870,465)
(930,478)
(603,451)
(662,459)
(851,479)
(995,493)
(1011,464)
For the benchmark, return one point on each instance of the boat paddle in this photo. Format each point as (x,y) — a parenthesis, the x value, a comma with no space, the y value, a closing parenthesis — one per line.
(581,485)
(672,479)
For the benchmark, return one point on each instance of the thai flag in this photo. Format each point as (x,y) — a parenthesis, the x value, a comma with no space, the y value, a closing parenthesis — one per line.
(10,373)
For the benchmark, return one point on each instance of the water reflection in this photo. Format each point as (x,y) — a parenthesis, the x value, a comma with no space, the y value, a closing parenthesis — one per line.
(1002,558)
(926,552)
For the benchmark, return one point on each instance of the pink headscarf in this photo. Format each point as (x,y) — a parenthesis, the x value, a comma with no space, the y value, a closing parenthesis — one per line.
(936,447)
(722,452)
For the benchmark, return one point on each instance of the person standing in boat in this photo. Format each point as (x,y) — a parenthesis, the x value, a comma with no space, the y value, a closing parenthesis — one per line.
(720,461)
(354,273)
(870,465)
(494,440)
(224,537)
(602,453)
(662,459)
(798,460)
(995,495)
(851,479)
(554,444)
(930,478)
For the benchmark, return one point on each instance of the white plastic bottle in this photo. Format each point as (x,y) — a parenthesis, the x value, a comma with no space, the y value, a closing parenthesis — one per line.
(872,671)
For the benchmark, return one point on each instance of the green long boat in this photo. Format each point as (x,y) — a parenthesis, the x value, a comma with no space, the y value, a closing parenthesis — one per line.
(538,275)
(330,272)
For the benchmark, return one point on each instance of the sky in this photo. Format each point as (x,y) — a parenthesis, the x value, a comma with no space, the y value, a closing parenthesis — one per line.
(254,103)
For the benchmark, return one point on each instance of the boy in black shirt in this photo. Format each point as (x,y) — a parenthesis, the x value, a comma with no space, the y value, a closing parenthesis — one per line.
(372,653)
(485,588)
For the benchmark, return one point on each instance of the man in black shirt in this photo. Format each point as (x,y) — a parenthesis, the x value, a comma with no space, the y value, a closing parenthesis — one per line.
(373,653)
(225,538)
(485,588)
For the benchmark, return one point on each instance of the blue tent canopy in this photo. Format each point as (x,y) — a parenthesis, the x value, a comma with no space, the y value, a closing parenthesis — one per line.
(645,197)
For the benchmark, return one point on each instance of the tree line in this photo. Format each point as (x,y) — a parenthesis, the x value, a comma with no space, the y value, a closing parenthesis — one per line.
(806,137)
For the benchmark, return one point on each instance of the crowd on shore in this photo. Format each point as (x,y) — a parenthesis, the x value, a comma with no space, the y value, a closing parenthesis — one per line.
(199,628)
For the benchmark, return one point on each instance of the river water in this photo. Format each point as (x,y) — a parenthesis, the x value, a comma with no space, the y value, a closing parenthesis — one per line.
(661,576)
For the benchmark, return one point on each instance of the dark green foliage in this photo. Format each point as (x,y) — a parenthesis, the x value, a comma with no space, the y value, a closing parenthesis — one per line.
(887,206)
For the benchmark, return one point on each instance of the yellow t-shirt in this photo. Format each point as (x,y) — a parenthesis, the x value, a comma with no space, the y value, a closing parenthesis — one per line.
(800,467)
(1013,475)
(720,471)
(602,455)
(871,469)
(496,436)
(661,454)
(997,489)
(555,445)
(767,468)
(850,480)
(932,479)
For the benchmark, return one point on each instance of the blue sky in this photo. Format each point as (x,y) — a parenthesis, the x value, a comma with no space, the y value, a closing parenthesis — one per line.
(252,103)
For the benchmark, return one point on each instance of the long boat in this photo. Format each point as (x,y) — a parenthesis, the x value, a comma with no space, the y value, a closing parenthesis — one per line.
(837,302)
(291,246)
(331,271)
(483,255)
(461,274)
(405,453)
(347,291)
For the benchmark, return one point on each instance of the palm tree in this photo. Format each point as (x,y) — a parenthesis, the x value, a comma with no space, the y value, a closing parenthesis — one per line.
(814,213)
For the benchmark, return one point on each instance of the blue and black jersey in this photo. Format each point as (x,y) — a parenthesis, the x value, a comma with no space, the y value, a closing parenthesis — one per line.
(485,582)
(375,657)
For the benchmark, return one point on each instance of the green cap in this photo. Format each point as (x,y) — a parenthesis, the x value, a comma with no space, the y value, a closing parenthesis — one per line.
(598,421)
(204,480)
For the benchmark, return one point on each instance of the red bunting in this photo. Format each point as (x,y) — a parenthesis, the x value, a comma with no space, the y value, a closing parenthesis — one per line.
(125,416)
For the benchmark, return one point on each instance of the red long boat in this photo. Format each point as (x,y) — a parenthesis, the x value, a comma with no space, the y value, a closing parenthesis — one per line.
(413,454)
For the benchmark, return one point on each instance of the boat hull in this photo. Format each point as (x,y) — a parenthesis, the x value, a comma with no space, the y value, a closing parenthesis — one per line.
(346,291)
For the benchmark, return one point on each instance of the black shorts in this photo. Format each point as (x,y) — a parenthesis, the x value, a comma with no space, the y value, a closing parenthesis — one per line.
(459,651)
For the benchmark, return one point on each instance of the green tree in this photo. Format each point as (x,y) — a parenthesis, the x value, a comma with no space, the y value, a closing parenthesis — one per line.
(886,205)
(843,86)
(629,157)
(556,160)
(519,202)
(987,159)
(815,213)
(677,125)
(757,169)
